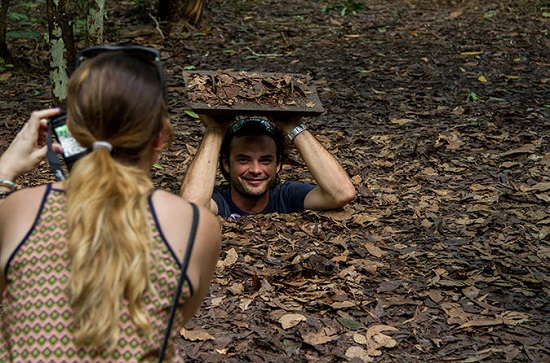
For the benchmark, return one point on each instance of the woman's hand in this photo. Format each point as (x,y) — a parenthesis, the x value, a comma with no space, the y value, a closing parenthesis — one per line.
(29,146)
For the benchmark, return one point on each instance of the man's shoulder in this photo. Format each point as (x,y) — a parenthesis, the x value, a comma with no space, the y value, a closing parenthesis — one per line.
(222,198)
(221,192)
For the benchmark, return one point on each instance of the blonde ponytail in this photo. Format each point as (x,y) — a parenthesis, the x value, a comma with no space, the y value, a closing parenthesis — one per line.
(115,106)
(108,246)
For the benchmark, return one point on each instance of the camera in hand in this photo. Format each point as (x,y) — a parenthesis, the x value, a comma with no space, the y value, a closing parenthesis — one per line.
(72,150)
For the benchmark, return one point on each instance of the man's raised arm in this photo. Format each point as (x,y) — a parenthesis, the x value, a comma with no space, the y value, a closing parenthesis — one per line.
(200,178)
(334,187)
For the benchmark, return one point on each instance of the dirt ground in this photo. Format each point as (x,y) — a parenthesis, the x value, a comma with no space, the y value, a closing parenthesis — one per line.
(440,113)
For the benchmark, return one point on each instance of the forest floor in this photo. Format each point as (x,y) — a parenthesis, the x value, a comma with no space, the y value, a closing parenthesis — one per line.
(440,113)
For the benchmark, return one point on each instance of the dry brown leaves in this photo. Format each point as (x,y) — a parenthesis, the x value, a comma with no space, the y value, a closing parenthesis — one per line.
(432,259)
(439,112)
(251,93)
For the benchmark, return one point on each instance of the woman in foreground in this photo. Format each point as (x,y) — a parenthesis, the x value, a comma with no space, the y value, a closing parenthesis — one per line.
(90,265)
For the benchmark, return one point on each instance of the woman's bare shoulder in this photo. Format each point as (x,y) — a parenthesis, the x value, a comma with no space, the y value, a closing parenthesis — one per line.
(172,207)
(167,200)
(18,212)
(175,216)
(25,197)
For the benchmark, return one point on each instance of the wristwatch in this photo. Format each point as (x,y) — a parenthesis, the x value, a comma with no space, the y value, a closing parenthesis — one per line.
(296,131)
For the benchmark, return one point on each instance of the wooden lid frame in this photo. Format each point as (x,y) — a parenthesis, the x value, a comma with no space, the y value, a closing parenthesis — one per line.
(251,93)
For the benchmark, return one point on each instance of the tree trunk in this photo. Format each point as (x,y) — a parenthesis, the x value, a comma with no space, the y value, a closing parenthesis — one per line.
(177,11)
(4,52)
(95,13)
(62,47)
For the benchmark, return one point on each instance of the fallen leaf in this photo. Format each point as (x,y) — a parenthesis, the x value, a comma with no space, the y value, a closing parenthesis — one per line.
(342,305)
(318,338)
(388,286)
(525,149)
(435,295)
(539,187)
(195,335)
(236,288)
(481,322)
(472,53)
(364,218)
(476,358)
(288,321)
(373,250)
(456,14)
(514,317)
(360,338)
(245,303)
(338,215)
(401,121)
(350,324)
(471,292)
(217,301)
(358,352)
(376,340)
(230,258)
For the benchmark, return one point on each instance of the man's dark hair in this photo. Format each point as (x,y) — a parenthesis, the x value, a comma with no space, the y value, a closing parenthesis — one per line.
(252,126)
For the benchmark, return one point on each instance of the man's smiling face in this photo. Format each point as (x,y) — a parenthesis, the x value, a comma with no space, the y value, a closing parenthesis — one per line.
(253,165)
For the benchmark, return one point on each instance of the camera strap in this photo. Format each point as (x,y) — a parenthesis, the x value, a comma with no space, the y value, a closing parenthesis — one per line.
(53,159)
(184,264)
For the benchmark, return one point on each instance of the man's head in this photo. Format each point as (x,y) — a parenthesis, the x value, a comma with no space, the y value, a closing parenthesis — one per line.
(251,155)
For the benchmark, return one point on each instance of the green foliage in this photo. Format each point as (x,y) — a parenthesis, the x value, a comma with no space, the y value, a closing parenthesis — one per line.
(79,29)
(544,8)
(4,66)
(490,14)
(239,5)
(22,22)
(18,17)
(191,114)
(143,9)
(28,34)
(30,6)
(22,16)
(349,7)
(472,96)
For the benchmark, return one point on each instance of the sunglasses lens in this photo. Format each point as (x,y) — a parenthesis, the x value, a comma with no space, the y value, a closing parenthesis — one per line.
(266,125)
(148,54)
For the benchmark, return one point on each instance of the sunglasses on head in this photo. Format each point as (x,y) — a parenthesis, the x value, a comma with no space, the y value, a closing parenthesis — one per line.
(237,125)
(145,53)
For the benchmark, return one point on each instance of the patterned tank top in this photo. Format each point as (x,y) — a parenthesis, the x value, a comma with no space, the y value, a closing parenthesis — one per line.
(36,322)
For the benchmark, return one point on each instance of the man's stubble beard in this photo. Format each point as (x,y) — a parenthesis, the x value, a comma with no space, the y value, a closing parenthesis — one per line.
(243,190)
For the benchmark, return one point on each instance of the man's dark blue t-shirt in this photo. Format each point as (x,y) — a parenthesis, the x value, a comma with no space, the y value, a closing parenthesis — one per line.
(284,198)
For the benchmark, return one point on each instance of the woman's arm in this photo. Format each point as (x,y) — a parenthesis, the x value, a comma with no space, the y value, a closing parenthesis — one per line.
(26,150)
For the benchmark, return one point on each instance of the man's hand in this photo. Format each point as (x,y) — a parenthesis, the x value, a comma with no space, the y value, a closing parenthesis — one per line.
(286,123)
(29,146)
(217,122)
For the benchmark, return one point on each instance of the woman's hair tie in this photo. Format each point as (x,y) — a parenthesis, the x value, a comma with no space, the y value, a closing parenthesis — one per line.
(102,145)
